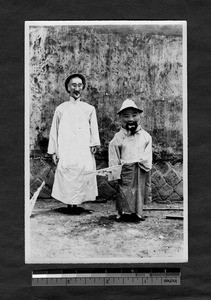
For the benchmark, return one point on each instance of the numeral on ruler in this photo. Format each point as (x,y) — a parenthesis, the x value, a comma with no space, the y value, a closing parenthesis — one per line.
(83,281)
(110,277)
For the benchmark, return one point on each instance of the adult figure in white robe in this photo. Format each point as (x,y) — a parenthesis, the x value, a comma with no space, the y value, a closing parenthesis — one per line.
(131,147)
(73,141)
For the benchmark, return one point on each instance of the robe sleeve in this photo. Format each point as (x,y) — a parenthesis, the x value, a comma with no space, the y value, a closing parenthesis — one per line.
(94,133)
(146,160)
(114,153)
(53,137)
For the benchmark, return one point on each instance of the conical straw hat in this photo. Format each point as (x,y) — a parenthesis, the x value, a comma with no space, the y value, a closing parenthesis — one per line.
(129,104)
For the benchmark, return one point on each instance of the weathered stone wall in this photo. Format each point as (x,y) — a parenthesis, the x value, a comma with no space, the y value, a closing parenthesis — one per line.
(141,62)
(165,182)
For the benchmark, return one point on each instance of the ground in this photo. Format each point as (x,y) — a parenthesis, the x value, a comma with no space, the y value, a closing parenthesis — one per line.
(58,237)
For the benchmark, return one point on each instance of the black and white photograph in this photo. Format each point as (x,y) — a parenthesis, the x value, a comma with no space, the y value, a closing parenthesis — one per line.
(106,170)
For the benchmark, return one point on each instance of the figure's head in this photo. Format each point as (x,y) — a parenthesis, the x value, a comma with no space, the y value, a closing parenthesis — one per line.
(74,84)
(130,115)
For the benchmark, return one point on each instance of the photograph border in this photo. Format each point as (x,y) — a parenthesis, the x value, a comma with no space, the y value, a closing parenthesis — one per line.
(185,144)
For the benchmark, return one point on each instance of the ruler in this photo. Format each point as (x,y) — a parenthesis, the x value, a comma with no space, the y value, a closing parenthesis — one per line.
(103,277)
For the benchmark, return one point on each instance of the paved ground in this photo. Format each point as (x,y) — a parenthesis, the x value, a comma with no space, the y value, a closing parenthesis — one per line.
(58,237)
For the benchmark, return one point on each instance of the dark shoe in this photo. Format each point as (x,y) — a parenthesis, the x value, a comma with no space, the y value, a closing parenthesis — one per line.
(68,210)
(122,218)
(73,210)
(136,219)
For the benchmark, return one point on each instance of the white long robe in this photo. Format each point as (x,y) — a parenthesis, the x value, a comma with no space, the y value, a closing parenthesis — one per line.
(73,131)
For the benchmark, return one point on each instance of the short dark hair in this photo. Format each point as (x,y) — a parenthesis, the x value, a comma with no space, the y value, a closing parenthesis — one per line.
(73,76)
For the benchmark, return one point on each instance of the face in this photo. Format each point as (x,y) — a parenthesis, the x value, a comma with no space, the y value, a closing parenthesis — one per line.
(130,119)
(75,87)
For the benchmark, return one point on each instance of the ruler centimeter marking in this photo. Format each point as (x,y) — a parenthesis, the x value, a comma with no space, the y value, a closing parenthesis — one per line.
(106,277)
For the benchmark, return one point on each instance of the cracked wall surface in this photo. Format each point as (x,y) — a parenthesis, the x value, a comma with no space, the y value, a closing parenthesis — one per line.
(144,63)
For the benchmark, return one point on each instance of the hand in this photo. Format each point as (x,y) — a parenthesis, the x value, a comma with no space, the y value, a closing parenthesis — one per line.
(104,173)
(55,159)
(94,149)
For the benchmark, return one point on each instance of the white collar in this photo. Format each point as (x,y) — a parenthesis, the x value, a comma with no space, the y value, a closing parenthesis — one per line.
(72,100)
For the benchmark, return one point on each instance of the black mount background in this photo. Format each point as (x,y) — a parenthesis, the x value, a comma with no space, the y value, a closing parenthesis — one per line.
(15,276)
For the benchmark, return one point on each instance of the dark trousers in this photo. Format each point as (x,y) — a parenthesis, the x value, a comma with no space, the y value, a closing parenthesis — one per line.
(131,189)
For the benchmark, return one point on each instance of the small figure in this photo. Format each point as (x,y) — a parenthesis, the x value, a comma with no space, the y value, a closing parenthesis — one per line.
(131,147)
